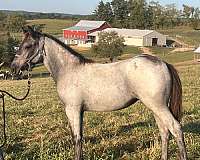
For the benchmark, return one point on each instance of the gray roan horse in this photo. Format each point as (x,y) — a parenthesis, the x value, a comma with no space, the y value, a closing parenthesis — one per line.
(83,85)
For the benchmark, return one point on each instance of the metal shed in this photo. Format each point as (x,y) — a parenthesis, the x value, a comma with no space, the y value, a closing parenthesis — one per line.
(197,54)
(137,37)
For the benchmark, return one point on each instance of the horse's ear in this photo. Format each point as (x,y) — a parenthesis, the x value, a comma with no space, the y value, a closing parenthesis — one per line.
(24,30)
(32,32)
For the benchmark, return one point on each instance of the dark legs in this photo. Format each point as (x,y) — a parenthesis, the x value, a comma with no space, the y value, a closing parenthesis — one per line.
(1,155)
(76,121)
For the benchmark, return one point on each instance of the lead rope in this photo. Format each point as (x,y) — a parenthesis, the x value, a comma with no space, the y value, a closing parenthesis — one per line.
(2,96)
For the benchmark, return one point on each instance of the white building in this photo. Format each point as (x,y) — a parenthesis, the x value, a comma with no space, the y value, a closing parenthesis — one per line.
(197,54)
(136,37)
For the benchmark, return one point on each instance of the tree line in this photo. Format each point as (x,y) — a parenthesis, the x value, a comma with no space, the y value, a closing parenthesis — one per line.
(142,15)
(39,15)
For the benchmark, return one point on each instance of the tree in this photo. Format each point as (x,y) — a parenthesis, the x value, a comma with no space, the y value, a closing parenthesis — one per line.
(110,45)
(158,14)
(121,13)
(148,18)
(171,15)
(104,12)
(7,49)
(137,14)
(2,19)
(195,19)
(14,23)
(187,12)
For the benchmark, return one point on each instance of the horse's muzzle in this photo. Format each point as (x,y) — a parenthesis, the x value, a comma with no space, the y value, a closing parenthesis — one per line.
(15,68)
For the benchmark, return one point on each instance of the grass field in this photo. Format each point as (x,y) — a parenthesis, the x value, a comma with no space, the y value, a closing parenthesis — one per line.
(185,34)
(53,26)
(37,128)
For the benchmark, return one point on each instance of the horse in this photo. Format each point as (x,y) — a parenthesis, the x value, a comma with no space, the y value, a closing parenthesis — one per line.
(84,85)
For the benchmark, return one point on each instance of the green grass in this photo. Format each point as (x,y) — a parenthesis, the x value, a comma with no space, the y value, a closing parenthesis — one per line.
(176,57)
(37,128)
(129,52)
(163,53)
(39,69)
(53,26)
(185,34)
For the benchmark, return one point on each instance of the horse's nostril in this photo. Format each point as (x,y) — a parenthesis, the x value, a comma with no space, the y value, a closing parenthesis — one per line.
(13,67)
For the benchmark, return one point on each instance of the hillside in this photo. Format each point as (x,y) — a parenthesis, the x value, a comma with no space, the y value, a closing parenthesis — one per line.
(185,34)
(40,15)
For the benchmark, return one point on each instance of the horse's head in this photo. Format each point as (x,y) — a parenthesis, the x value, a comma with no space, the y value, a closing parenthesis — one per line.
(30,51)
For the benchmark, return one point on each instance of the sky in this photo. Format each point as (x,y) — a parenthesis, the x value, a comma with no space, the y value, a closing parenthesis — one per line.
(72,6)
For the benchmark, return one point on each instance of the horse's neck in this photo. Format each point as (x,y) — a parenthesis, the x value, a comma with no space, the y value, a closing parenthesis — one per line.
(57,59)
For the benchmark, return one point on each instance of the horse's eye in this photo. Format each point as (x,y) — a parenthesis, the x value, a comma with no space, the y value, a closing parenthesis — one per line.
(28,46)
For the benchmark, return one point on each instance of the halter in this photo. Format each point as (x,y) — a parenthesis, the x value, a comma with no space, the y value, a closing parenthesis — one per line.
(40,50)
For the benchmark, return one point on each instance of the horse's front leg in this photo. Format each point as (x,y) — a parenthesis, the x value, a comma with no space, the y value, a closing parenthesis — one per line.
(75,117)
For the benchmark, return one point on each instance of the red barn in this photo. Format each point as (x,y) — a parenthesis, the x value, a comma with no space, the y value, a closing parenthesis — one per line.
(78,34)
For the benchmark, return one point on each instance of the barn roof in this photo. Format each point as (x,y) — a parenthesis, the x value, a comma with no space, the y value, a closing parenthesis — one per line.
(80,28)
(197,50)
(126,32)
(86,25)
(94,24)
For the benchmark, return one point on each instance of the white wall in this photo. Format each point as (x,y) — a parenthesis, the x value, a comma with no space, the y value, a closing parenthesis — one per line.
(136,41)
(148,39)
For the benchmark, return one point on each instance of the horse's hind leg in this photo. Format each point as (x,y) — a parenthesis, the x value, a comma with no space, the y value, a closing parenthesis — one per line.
(75,118)
(174,127)
(164,133)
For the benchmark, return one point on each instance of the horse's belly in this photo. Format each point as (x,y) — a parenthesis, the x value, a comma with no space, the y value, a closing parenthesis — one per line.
(108,108)
(109,101)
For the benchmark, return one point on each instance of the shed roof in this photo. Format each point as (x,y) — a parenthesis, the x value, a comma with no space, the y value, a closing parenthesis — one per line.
(197,50)
(126,32)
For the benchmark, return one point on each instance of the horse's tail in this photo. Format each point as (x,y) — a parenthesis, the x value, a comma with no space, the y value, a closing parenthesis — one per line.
(175,99)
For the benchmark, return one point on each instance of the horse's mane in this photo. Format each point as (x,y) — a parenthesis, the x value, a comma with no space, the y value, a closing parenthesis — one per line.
(81,57)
